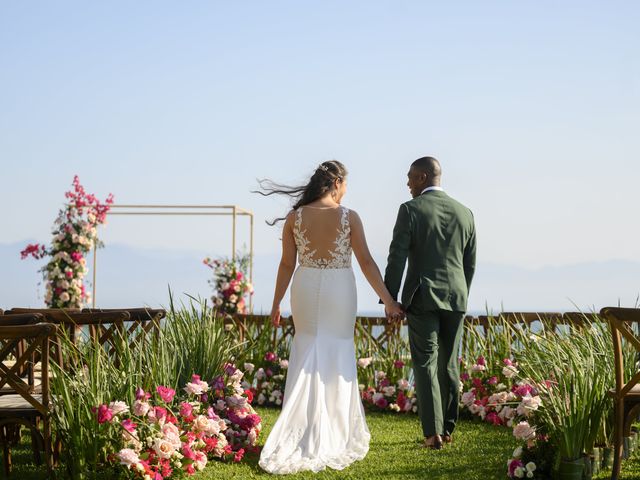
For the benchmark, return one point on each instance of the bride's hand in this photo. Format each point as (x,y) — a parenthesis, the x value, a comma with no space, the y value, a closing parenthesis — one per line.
(275,316)
(394,311)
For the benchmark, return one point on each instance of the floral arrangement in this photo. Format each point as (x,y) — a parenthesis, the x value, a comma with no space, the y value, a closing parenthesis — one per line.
(497,398)
(532,462)
(389,392)
(269,379)
(230,284)
(169,435)
(74,235)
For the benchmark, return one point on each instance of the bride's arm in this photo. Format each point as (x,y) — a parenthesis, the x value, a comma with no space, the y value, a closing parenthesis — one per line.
(285,270)
(368,265)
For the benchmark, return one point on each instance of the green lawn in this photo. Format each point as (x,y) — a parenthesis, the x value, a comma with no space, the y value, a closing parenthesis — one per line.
(480,452)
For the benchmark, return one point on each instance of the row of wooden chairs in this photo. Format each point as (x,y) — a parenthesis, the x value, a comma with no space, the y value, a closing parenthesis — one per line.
(29,340)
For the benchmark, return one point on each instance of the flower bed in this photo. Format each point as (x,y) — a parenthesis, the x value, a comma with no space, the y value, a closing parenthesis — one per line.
(168,435)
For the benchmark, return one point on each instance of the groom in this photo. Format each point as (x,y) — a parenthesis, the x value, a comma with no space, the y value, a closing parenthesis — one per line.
(437,235)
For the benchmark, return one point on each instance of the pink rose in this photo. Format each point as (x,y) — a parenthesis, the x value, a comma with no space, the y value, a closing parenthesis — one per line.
(141,408)
(186,409)
(104,414)
(128,425)
(166,393)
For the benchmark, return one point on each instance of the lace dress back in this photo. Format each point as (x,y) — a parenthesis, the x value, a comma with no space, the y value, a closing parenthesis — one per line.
(323,237)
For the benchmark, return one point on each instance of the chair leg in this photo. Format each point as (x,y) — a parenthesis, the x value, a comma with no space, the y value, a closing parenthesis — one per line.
(619,440)
(6,450)
(46,437)
(36,446)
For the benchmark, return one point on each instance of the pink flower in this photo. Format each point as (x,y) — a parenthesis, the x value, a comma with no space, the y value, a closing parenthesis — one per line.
(104,414)
(270,357)
(142,395)
(141,408)
(128,425)
(493,381)
(481,361)
(492,417)
(229,368)
(513,465)
(128,457)
(524,431)
(464,377)
(398,364)
(382,403)
(186,409)
(166,393)
(238,456)
(523,390)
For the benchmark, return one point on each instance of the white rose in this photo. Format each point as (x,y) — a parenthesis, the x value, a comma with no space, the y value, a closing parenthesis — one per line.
(118,407)
(233,298)
(163,448)
(249,367)
(531,467)
(64,296)
(284,363)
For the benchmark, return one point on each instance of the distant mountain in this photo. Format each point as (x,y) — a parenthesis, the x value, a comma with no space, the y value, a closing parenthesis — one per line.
(130,276)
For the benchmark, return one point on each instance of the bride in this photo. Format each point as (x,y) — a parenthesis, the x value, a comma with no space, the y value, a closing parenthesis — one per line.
(322,422)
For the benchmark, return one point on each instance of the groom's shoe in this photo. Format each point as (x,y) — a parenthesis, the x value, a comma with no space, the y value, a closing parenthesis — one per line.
(447,439)
(434,442)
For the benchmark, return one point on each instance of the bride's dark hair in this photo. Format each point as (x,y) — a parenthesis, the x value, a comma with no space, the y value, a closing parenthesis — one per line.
(319,184)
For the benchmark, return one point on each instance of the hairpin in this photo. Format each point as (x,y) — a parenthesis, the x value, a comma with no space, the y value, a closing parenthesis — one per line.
(323,168)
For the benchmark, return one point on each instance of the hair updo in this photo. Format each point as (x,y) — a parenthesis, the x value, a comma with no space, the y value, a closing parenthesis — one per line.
(320,183)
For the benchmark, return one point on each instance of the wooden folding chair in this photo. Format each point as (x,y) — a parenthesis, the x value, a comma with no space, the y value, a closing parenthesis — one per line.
(25,407)
(626,396)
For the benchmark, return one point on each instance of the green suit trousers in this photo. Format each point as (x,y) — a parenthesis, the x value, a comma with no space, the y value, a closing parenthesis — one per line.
(434,338)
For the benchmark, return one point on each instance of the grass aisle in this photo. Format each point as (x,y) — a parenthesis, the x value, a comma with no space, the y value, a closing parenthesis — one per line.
(480,452)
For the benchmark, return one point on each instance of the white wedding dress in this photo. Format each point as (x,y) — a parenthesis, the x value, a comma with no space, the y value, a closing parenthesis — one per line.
(322,423)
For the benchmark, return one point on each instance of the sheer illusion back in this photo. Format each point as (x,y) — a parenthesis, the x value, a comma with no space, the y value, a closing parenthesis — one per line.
(323,237)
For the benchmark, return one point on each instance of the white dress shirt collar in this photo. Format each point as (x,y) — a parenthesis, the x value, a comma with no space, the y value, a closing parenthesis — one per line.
(428,189)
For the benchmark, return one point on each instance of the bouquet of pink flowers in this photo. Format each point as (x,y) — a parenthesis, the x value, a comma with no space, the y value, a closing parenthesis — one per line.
(74,235)
(230,284)
(166,435)
(389,392)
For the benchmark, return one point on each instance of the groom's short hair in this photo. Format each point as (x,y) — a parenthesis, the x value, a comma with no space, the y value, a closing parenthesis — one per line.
(428,165)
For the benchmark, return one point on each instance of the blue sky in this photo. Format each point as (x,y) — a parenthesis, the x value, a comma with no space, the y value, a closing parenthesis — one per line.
(532,107)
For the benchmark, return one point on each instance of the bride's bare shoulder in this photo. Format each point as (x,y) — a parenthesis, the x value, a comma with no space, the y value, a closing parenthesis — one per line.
(354,218)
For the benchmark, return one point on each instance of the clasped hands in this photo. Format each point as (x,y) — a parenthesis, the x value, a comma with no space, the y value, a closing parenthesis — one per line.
(394,312)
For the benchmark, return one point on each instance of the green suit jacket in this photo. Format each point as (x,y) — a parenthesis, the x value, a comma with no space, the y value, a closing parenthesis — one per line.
(438,236)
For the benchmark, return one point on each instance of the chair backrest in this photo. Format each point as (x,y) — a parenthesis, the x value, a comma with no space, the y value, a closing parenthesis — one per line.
(25,370)
(36,340)
(142,320)
(621,321)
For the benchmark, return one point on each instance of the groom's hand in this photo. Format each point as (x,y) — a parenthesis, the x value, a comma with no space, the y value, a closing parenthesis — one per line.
(394,312)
